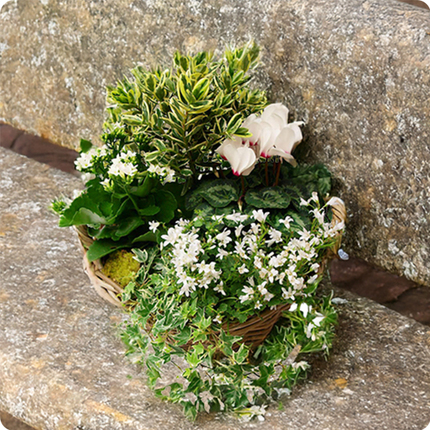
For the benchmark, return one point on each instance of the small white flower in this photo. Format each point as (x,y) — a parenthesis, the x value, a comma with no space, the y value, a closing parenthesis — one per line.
(317,321)
(259,215)
(315,267)
(315,197)
(301,365)
(224,238)
(242,269)
(305,309)
(304,202)
(238,230)
(105,183)
(153,225)
(286,221)
(275,237)
(222,253)
(220,288)
(237,217)
(312,279)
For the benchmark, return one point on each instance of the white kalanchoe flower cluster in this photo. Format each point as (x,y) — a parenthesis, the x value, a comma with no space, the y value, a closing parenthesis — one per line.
(166,173)
(272,135)
(86,159)
(124,165)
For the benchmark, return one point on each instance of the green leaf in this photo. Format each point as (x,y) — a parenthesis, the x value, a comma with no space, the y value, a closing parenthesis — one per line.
(219,192)
(200,106)
(201,88)
(193,199)
(242,132)
(147,237)
(167,203)
(122,228)
(85,145)
(132,119)
(83,216)
(145,188)
(234,123)
(268,198)
(100,248)
(149,210)
(89,208)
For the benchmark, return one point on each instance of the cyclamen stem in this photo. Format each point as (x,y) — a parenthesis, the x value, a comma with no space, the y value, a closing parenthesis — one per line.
(278,173)
(266,169)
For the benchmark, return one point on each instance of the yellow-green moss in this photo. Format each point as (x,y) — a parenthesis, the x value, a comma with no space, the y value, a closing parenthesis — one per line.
(121,267)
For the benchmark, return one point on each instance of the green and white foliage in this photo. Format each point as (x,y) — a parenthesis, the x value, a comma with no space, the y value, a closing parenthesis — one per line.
(219,269)
(180,115)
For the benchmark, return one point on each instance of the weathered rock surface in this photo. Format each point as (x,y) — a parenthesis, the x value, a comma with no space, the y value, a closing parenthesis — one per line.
(356,71)
(62,366)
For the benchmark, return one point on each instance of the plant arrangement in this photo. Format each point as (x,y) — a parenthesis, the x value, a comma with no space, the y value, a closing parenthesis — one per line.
(197,208)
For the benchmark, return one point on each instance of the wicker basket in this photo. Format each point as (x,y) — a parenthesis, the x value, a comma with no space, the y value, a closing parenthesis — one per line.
(254,330)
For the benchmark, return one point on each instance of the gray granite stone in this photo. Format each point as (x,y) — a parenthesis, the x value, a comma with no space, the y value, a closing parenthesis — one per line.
(356,71)
(62,365)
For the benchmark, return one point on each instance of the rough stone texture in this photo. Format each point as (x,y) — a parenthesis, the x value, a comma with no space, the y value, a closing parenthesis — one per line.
(356,71)
(62,366)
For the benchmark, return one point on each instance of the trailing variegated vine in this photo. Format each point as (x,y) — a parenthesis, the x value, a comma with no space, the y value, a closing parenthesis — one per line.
(212,271)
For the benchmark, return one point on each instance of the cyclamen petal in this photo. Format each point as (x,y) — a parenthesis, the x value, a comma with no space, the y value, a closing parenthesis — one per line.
(241,159)
(237,142)
(288,138)
(277,109)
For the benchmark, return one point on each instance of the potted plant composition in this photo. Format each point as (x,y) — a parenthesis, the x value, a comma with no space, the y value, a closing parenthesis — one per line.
(198,221)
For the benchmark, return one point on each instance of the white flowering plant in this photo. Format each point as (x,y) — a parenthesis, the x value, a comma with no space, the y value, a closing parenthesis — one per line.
(214,270)
(196,177)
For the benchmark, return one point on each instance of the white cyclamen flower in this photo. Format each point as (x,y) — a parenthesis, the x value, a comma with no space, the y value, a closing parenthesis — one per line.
(241,158)
(272,135)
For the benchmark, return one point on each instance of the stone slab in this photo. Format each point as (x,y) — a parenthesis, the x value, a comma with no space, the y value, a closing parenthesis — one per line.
(62,364)
(356,71)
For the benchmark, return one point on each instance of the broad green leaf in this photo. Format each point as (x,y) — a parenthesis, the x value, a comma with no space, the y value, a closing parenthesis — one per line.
(219,192)
(100,248)
(192,200)
(147,237)
(85,145)
(85,216)
(268,198)
(126,226)
(149,210)
(167,203)
(145,188)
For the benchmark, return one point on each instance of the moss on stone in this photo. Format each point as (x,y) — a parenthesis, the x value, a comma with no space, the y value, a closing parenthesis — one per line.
(121,267)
